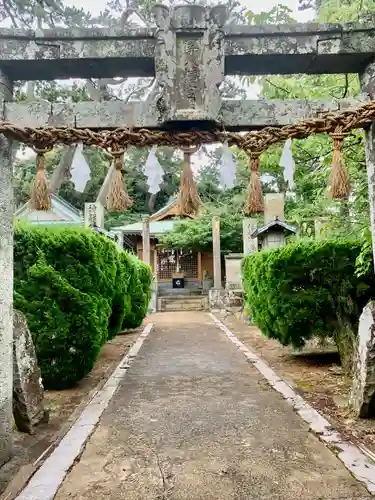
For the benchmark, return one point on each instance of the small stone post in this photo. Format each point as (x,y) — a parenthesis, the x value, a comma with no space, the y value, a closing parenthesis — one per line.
(368,87)
(146,252)
(94,214)
(250,245)
(119,239)
(6,285)
(319,224)
(363,391)
(216,252)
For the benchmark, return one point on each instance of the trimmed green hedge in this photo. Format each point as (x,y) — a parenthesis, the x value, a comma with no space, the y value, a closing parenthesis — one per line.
(307,289)
(75,288)
(139,295)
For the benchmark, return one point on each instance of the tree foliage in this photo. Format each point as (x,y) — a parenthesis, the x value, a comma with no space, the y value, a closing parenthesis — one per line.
(307,289)
(312,156)
(76,289)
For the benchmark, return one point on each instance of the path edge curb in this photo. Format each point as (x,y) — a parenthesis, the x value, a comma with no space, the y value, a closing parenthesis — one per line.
(46,481)
(358,464)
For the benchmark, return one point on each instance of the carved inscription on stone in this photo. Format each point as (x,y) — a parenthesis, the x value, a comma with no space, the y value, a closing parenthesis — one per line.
(189,61)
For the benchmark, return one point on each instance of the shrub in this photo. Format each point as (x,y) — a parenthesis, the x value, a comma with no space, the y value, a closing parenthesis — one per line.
(67,325)
(121,299)
(87,259)
(307,289)
(74,287)
(138,293)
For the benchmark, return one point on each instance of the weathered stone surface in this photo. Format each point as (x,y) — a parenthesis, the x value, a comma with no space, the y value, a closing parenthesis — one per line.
(302,48)
(189,61)
(94,214)
(152,306)
(82,51)
(233,274)
(274,207)
(363,392)
(146,244)
(250,245)
(236,115)
(28,397)
(368,88)
(262,113)
(215,299)
(228,301)
(182,303)
(6,284)
(216,251)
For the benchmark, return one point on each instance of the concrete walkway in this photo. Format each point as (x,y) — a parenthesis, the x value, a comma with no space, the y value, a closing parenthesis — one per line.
(193,420)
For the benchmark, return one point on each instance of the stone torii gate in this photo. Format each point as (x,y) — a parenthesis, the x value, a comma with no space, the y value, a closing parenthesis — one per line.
(189,52)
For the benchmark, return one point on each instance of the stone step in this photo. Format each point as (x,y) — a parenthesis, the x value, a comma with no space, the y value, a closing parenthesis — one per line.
(183,303)
(183,292)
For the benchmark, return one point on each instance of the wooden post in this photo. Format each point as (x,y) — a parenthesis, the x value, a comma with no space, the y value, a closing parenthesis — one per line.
(6,284)
(368,87)
(199,257)
(146,241)
(216,252)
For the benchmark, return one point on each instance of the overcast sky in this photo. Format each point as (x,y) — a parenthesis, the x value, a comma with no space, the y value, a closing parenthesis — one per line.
(255,5)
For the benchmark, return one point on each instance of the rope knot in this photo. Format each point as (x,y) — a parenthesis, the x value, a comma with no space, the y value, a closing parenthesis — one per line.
(118,199)
(254,160)
(40,193)
(254,202)
(118,159)
(339,136)
(339,182)
(188,197)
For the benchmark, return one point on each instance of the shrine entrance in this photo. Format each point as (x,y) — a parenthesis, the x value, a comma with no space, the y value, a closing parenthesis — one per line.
(176,261)
(188,52)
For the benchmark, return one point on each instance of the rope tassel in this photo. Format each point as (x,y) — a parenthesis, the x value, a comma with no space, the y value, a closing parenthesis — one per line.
(40,192)
(118,199)
(188,198)
(339,181)
(254,202)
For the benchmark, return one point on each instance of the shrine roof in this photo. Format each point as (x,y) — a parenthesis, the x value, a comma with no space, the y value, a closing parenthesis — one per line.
(271,225)
(159,223)
(156,227)
(62,212)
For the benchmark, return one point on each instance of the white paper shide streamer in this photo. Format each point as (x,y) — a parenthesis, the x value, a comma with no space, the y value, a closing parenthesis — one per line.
(228,167)
(80,171)
(287,163)
(153,172)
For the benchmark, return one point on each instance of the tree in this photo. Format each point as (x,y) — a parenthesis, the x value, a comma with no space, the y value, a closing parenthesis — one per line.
(197,234)
(313,155)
